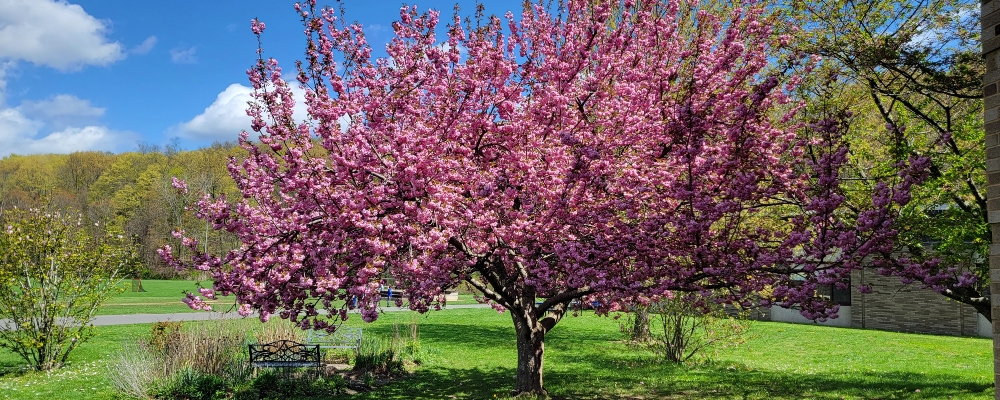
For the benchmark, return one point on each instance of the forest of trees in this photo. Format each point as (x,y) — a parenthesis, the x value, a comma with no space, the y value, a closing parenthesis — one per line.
(131,191)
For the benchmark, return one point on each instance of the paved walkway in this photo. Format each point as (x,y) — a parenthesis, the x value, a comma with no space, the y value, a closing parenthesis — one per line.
(203,316)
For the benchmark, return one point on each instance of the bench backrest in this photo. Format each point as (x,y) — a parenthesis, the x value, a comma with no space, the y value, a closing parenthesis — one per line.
(342,338)
(284,353)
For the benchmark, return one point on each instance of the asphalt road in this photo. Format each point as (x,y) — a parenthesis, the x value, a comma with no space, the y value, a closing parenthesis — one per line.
(204,316)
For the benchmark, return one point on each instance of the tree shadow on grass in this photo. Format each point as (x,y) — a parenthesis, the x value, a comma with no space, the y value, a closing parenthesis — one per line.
(449,383)
(649,378)
(479,383)
(582,366)
(13,368)
(476,383)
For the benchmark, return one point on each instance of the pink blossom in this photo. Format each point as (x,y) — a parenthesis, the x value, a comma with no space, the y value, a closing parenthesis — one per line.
(560,159)
(180,185)
(256,26)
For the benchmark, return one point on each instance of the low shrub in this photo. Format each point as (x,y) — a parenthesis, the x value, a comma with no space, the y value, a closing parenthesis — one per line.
(378,356)
(274,385)
(189,384)
(687,327)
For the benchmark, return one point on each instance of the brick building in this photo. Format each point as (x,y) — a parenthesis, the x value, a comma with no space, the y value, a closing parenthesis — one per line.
(894,306)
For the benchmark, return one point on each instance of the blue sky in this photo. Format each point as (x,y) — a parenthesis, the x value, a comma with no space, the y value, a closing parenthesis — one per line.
(106,74)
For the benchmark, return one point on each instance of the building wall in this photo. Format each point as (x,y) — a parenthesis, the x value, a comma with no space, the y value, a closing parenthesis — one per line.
(990,23)
(782,314)
(893,306)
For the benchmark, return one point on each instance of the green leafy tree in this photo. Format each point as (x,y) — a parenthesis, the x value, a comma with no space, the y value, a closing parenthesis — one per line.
(911,73)
(53,277)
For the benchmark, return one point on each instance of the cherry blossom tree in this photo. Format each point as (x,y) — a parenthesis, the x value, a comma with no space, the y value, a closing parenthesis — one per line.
(582,151)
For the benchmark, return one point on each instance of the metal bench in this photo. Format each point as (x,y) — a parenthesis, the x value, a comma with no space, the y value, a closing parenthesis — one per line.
(342,338)
(284,354)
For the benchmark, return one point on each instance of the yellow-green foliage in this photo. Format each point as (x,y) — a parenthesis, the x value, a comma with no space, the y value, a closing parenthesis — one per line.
(130,191)
(53,277)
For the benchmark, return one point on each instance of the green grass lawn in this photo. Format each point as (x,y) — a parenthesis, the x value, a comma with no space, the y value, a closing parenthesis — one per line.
(164,297)
(160,297)
(83,378)
(470,354)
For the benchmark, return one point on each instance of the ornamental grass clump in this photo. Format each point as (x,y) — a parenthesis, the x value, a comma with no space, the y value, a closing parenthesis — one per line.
(180,359)
(379,356)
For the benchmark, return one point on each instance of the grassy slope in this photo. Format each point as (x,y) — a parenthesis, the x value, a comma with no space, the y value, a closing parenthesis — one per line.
(471,355)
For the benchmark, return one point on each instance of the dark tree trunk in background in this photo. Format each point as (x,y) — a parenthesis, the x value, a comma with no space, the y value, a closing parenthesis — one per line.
(640,326)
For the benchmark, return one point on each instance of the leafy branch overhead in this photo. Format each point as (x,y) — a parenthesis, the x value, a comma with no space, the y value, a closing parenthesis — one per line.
(912,73)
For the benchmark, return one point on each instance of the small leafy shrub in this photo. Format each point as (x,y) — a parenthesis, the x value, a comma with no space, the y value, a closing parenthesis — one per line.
(275,385)
(690,326)
(164,333)
(55,273)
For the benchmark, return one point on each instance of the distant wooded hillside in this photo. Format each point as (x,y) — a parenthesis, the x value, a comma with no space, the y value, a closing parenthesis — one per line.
(131,190)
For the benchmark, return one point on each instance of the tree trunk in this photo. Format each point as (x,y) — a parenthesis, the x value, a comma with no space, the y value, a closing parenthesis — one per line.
(640,326)
(530,348)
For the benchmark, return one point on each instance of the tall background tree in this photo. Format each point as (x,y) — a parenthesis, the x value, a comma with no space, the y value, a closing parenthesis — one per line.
(912,73)
(562,157)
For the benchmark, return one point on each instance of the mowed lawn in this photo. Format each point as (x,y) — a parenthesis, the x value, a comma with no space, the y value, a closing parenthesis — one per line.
(164,297)
(471,355)
(160,297)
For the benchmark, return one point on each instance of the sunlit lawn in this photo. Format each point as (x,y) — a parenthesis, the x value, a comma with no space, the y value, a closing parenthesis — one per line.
(471,355)
(164,297)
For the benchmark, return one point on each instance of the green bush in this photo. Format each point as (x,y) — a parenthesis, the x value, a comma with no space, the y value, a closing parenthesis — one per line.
(274,385)
(190,384)
(378,356)
(55,272)
(686,329)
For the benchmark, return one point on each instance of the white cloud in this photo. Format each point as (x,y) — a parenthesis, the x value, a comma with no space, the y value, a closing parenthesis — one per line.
(54,33)
(226,117)
(62,105)
(146,46)
(62,111)
(21,135)
(182,55)
(14,126)
(74,139)
(5,66)
(63,36)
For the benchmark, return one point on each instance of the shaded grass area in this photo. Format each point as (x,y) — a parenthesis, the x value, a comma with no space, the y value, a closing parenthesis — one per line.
(586,360)
(470,354)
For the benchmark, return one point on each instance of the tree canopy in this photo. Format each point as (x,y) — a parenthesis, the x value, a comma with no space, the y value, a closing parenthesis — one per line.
(541,158)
